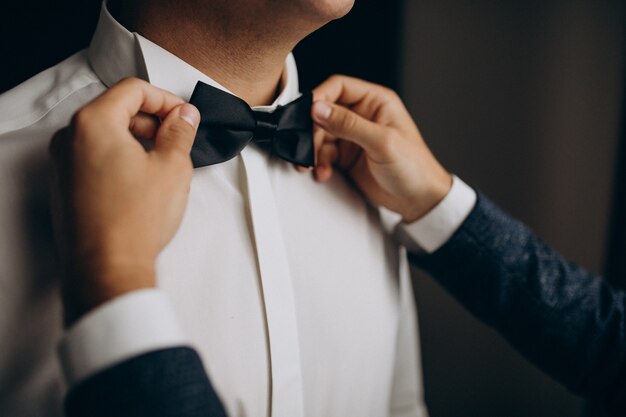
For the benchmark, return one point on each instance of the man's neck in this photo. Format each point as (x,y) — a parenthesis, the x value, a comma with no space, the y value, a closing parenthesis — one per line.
(218,41)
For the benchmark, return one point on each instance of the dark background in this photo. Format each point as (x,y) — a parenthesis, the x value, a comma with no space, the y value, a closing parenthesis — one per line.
(522,99)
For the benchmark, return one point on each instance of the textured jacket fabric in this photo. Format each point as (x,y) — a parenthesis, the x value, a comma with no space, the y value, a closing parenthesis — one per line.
(567,321)
(165,383)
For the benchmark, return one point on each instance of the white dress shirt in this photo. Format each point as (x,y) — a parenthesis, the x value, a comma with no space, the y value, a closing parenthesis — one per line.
(292,292)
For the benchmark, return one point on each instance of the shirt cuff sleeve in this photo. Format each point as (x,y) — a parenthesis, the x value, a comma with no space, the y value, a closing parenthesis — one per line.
(433,230)
(127,326)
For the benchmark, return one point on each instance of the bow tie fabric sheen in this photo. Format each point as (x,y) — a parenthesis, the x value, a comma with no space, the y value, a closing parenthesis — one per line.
(228,125)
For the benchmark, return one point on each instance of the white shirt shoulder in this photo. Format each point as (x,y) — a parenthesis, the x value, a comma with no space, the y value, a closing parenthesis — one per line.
(34,99)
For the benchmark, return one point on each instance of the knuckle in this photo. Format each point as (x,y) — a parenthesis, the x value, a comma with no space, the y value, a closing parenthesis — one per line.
(348,121)
(336,78)
(81,117)
(82,122)
(393,94)
(178,130)
(130,81)
(390,93)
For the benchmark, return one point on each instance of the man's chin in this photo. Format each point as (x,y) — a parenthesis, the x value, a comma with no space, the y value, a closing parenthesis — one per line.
(327,10)
(345,9)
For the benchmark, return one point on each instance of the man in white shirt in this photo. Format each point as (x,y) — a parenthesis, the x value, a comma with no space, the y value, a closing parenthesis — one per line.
(291,291)
(492,263)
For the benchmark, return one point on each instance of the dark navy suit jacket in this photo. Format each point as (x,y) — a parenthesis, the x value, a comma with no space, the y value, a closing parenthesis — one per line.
(567,321)
(165,383)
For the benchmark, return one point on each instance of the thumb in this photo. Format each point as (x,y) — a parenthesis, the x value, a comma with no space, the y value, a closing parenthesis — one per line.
(178,130)
(348,125)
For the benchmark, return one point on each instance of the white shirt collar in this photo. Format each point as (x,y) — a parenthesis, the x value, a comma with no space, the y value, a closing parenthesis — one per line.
(115,53)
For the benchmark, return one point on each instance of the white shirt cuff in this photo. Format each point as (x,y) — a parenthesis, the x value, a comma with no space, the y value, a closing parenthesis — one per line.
(434,229)
(127,326)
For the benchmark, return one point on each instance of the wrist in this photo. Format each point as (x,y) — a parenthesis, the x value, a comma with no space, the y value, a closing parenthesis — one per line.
(421,203)
(93,280)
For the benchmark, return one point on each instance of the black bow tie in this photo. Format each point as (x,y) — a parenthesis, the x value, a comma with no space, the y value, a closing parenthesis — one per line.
(228,125)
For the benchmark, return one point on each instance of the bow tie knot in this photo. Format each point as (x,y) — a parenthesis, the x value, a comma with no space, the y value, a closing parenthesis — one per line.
(266,126)
(228,125)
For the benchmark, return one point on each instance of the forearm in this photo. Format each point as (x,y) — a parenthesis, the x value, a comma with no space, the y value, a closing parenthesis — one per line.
(567,321)
(164,383)
(130,357)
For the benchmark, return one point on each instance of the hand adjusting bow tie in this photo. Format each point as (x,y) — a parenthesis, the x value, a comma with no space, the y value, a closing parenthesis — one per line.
(228,125)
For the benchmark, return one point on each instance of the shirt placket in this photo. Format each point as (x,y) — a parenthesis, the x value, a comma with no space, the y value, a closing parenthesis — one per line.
(286,394)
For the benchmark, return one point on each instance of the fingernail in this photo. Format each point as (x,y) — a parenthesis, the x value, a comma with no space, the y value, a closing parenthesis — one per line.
(322,110)
(190,114)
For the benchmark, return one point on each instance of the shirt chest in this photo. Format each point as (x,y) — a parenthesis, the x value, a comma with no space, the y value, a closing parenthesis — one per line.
(343,274)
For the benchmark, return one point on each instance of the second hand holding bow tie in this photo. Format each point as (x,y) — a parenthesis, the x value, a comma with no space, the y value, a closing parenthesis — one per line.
(228,125)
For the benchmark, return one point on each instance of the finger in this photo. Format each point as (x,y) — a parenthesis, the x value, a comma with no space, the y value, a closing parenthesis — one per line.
(348,125)
(328,154)
(326,158)
(347,90)
(129,97)
(178,131)
(144,126)
(323,173)
(319,135)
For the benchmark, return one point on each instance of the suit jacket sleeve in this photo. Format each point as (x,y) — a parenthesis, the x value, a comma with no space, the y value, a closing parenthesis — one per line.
(165,383)
(567,321)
